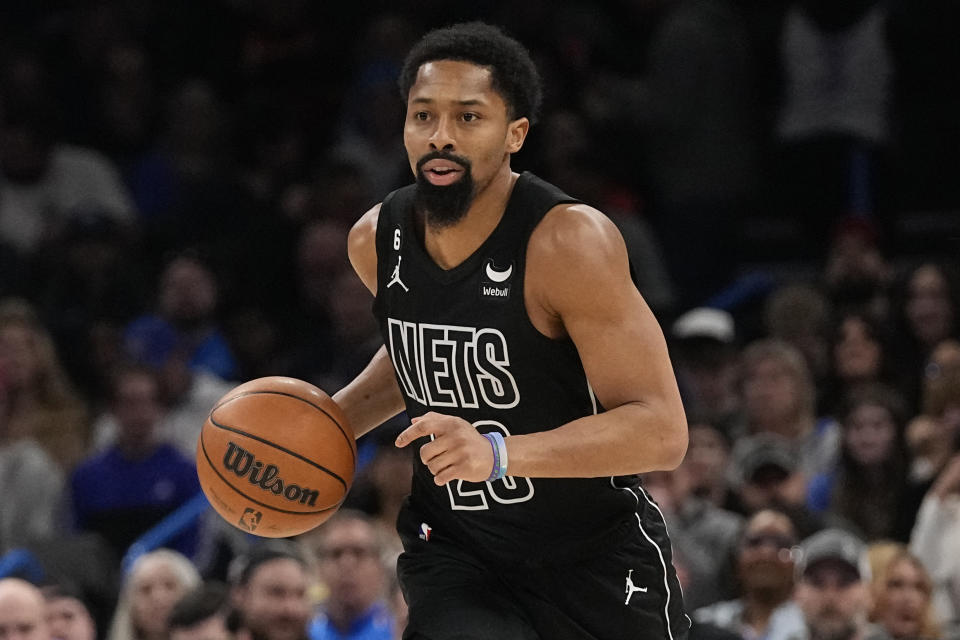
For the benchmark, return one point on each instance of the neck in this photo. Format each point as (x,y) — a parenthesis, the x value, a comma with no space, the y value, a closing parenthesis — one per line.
(137,449)
(342,615)
(449,246)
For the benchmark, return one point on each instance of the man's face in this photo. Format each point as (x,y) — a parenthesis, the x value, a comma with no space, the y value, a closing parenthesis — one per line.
(770,393)
(69,619)
(765,562)
(274,602)
(21,612)
(137,408)
(833,600)
(458,136)
(350,564)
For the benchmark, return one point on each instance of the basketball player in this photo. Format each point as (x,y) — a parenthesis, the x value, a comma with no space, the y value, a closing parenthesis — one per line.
(536,377)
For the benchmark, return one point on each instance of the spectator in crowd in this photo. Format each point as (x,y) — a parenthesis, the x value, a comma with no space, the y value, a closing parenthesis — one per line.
(707,462)
(41,402)
(353,565)
(271,593)
(934,436)
(765,573)
(799,314)
(936,538)
(155,582)
(186,316)
(44,180)
(833,588)
(33,484)
(123,491)
(765,473)
(67,614)
(203,613)
(703,534)
(22,611)
(187,393)
(869,486)
(926,308)
(705,358)
(88,286)
(860,352)
(382,484)
(779,398)
(901,600)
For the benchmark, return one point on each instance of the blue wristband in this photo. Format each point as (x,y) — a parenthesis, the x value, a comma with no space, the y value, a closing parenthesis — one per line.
(499,455)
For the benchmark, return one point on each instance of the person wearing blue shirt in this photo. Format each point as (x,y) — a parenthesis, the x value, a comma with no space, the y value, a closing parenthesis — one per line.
(352,567)
(123,491)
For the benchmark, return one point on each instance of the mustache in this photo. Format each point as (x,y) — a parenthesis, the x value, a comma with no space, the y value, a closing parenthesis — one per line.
(442,155)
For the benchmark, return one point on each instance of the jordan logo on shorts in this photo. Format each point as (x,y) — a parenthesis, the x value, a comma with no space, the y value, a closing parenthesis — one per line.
(632,588)
(395,278)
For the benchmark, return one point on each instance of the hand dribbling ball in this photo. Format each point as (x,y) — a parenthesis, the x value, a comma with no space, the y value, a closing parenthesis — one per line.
(276,457)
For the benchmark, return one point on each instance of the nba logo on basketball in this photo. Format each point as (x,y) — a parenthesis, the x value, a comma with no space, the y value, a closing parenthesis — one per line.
(250,519)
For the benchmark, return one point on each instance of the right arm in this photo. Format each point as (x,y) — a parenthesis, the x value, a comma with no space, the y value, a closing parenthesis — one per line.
(373,397)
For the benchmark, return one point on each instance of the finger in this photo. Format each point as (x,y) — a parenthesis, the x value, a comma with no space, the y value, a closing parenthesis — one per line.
(418,429)
(443,468)
(445,475)
(431,450)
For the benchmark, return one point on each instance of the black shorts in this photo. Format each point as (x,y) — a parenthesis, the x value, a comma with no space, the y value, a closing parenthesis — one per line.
(629,593)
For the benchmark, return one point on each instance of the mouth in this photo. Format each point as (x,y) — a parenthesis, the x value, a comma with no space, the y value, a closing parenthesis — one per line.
(442,172)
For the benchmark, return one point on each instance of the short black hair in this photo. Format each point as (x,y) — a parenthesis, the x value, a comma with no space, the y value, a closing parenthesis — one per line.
(260,555)
(209,599)
(515,76)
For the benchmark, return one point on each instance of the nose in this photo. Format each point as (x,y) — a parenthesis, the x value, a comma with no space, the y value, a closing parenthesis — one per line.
(442,136)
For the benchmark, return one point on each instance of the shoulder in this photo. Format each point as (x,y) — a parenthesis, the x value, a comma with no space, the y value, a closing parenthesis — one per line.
(362,247)
(576,257)
(91,468)
(575,229)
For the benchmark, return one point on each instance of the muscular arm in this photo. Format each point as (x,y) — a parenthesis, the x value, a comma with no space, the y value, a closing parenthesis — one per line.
(373,397)
(580,282)
(578,285)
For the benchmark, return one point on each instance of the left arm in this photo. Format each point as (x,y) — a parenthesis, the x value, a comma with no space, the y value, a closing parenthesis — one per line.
(579,285)
(581,280)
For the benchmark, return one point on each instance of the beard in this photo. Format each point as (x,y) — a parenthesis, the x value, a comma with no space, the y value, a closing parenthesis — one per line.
(443,206)
(832,626)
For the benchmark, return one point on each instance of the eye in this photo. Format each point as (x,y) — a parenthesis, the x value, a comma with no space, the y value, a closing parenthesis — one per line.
(469,117)
(421,115)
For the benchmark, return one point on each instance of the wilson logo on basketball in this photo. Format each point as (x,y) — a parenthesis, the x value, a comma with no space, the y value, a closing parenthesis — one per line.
(245,465)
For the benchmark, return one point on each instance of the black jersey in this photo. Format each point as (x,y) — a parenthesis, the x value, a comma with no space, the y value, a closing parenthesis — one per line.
(462,344)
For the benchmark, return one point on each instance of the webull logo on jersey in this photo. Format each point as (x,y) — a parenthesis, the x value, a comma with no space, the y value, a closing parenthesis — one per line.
(495,283)
(450,366)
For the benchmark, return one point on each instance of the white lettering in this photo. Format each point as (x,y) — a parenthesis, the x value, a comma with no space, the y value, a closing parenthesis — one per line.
(451,366)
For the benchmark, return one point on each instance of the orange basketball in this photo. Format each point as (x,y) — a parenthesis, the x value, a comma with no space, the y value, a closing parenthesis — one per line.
(276,457)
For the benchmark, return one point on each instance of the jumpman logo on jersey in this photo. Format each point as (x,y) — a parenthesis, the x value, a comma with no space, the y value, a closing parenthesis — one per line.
(395,278)
(632,588)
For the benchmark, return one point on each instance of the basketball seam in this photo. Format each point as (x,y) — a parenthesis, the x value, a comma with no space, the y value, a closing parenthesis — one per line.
(340,428)
(245,434)
(203,447)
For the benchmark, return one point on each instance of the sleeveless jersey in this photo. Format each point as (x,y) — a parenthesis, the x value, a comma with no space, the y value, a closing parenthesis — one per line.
(462,344)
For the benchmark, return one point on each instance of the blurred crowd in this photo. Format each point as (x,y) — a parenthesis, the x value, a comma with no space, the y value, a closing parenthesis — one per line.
(177,180)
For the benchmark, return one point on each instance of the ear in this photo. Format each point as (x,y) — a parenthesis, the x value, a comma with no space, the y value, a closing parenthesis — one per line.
(516,134)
